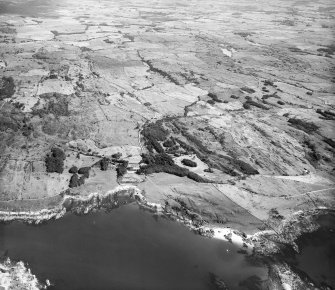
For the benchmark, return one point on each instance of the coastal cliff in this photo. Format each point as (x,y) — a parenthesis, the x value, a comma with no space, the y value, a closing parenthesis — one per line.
(120,195)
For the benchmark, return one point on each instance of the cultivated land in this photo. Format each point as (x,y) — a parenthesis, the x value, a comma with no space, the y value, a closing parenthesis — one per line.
(245,90)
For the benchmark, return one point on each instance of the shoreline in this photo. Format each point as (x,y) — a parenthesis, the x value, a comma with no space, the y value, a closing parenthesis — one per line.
(16,275)
(263,244)
(289,230)
(71,203)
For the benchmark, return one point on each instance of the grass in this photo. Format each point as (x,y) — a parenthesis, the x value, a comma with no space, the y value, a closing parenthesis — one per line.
(33,205)
(172,169)
(57,104)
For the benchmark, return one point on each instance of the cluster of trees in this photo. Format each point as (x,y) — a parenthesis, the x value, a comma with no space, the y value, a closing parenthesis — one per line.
(27,129)
(188,148)
(268,83)
(267,96)
(246,106)
(75,179)
(164,163)
(328,115)
(313,155)
(195,141)
(57,104)
(169,143)
(189,163)
(302,125)
(244,167)
(85,171)
(104,164)
(172,150)
(73,169)
(328,50)
(121,169)
(249,103)
(214,98)
(159,161)
(153,133)
(7,87)
(330,142)
(248,90)
(55,160)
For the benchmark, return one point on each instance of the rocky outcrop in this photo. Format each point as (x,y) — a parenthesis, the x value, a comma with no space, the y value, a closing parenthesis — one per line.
(275,243)
(120,195)
(15,275)
(271,241)
(33,217)
(281,277)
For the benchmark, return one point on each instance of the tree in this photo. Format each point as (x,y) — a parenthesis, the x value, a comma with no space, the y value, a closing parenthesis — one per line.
(189,163)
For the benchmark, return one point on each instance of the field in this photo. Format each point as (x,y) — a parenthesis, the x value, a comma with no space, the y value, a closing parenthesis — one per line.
(245,90)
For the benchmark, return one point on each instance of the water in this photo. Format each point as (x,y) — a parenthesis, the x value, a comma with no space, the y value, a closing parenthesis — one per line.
(317,253)
(125,249)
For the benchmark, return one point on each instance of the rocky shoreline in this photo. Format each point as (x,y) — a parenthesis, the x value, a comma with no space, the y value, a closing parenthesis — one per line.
(302,222)
(119,196)
(15,275)
(77,204)
(263,245)
(269,244)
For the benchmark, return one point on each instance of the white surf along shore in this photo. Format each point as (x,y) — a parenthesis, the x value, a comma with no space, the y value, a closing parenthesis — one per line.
(91,202)
(15,275)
